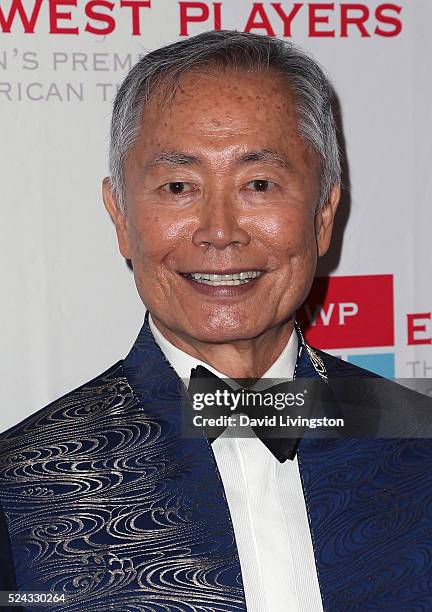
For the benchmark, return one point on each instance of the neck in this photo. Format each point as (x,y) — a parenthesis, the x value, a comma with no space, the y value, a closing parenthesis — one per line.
(249,358)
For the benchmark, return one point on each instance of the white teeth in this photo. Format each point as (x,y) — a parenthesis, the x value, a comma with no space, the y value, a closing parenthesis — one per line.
(239,278)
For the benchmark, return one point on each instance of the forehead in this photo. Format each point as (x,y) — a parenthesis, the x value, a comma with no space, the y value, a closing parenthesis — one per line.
(224,105)
(233,88)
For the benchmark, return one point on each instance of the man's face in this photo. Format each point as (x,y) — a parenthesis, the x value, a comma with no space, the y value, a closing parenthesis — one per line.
(219,182)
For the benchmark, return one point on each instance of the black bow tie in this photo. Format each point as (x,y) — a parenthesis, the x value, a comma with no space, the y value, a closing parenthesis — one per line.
(232,402)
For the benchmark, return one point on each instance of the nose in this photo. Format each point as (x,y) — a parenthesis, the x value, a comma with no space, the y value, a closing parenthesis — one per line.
(219,224)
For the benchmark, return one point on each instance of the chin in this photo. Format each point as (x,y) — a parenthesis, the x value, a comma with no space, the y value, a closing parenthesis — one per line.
(223,331)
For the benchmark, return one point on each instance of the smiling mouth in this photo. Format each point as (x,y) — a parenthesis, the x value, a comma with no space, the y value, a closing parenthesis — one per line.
(223,280)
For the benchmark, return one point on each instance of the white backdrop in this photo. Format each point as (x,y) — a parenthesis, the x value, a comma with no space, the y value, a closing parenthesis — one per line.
(69,307)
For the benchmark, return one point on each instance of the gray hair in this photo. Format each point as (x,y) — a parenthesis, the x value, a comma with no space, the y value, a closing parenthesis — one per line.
(236,50)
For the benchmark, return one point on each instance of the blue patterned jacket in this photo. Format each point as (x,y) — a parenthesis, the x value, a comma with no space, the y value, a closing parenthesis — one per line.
(101,498)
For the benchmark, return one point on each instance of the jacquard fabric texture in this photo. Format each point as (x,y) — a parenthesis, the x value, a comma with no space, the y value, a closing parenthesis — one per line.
(104,499)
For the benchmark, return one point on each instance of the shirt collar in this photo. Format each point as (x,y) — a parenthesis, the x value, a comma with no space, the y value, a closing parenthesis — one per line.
(182,362)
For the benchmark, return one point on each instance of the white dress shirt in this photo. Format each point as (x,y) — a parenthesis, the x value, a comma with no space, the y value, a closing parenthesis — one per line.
(266,503)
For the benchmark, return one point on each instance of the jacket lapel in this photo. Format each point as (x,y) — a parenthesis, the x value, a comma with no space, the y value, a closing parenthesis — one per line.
(201,536)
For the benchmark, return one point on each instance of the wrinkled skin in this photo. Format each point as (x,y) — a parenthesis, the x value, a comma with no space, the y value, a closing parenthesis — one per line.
(210,205)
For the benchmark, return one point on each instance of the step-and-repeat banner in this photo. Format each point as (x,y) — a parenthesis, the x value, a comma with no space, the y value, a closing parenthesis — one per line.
(69,307)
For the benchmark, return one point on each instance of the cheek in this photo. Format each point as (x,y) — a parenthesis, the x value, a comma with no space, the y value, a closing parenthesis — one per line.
(156,237)
(144,246)
(148,253)
(288,236)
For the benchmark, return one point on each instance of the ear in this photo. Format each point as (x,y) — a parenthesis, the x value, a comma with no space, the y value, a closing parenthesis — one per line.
(118,218)
(324,219)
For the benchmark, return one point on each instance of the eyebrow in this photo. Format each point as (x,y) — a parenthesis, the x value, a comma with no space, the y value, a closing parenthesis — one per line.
(173,158)
(177,158)
(267,156)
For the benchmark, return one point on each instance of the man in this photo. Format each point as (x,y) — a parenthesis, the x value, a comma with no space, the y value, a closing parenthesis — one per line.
(225,179)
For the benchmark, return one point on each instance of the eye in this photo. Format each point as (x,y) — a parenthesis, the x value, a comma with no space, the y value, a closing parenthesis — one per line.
(260,185)
(177,187)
